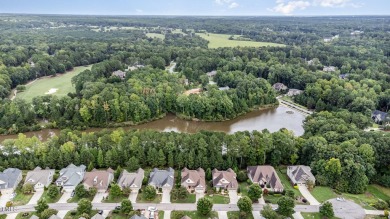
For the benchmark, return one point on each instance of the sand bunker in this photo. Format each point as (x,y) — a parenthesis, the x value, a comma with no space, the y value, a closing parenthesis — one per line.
(52,91)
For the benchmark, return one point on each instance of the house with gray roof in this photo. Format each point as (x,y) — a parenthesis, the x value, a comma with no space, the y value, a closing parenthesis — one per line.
(380,117)
(299,175)
(162,178)
(294,92)
(279,87)
(39,178)
(120,74)
(9,180)
(70,177)
(225,179)
(211,73)
(98,216)
(131,180)
(138,217)
(329,69)
(265,176)
(224,88)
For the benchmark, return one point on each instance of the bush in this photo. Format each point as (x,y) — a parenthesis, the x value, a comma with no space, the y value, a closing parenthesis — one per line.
(149,193)
(386,213)
(381,205)
(241,176)
(9,204)
(249,182)
(265,192)
(238,190)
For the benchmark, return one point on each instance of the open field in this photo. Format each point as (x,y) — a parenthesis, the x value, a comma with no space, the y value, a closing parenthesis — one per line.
(322,193)
(222,40)
(59,85)
(156,35)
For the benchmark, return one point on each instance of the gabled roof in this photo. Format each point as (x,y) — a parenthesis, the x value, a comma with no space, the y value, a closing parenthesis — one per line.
(9,177)
(301,173)
(229,175)
(265,174)
(160,178)
(379,115)
(71,175)
(127,179)
(138,217)
(38,175)
(197,177)
(54,217)
(211,73)
(99,179)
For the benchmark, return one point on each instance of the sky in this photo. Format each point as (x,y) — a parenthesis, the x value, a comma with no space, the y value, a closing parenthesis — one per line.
(199,7)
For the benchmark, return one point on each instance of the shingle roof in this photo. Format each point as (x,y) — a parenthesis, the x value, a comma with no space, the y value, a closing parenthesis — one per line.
(229,175)
(266,174)
(127,179)
(301,173)
(159,178)
(38,175)
(196,176)
(138,217)
(100,179)
(9,177)
(71,175)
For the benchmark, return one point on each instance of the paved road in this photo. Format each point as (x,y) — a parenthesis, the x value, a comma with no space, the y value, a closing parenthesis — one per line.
(12,216)
(199,195)
(222,215)
(167,215)
(257,215)
(347,209)
(99,197)
(4,199)
(166,196)
(305,192)
(233,197)
(374,212)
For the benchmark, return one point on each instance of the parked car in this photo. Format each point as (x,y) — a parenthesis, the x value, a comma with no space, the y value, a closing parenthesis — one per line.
(118,208)
(100,212)
(71,195)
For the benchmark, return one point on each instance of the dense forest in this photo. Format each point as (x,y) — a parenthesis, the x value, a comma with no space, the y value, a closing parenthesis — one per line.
(343,98)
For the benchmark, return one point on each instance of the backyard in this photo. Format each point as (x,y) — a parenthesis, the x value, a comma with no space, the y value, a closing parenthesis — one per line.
(222,40)
(59,85)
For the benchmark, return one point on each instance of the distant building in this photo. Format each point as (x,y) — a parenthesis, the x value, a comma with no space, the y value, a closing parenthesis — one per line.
(163,179)
(279,87)
(343,76)
(380,117)
(225,179)
(329,69)
(99,179)
(70,177)
(265,176)
(300,174)
(356,32)
(193,180)
(224,88)
(211,73)
(39,178)
(135,67)
(294,92)
(310,62)
(120,74)
(9,180)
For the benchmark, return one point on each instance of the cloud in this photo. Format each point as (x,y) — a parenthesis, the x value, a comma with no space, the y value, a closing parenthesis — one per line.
(229,3)
(332,3)
(290,6)
(139,11)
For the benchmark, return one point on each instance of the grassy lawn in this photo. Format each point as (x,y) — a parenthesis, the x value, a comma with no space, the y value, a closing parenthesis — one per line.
(219,199)
(313,216)
(322,193)
(190,199)
(3,216)
(21,199)
(236,215)
(114,200)
(195,215)
(118,216)
(69,214)
(76,199)
(156,35)
(50,200)
(282,173)
(273,199)
(61,82)
(141,199)
(161,215)
(20,215)
(244,188)
(365,200)
(222,40)
(379,191)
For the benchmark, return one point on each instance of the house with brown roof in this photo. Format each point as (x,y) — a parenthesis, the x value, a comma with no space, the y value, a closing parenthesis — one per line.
(193,180)
(99,179)
(131,180)
(225,179)
(300,174)
(265,176)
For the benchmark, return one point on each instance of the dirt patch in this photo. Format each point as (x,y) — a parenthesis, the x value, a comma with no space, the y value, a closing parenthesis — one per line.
(193,91)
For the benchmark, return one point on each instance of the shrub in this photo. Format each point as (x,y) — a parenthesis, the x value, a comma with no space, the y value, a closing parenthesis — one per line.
(241,176)
(265,192)
(8,204)
(249,182)
(381,205)
(386,213)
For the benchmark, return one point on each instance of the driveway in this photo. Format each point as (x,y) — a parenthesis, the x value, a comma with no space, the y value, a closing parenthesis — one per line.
(166,196)
(133,196)
(167,214)
(297,215)
(61,214)
(34,199)
(233,196)
(4,199)
(99,197)
(257,215)
(221,215)
(11,216)
(347,209)
(199,195)
(105,213)
(305,192)
(64,198)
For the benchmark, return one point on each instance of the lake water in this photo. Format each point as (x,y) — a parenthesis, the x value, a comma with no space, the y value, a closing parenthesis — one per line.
(271,119)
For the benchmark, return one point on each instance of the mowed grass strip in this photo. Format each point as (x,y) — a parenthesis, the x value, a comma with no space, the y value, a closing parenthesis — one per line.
(222,40)
(61,82)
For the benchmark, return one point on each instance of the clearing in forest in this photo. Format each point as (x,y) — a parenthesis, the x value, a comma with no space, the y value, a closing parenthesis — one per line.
(222,40)
(59,85)
(155,35)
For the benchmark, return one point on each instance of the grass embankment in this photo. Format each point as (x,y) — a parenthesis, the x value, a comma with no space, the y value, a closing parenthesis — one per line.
(222,40)
(195,215)
(322,193)
(61,82)
(21,199)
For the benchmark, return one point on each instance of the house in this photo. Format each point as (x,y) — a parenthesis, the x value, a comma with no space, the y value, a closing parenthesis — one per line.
(211,73)
(163,179)
(327,40)
(131,180)
(98,216)
(225,179)
(9,180)
(193,180)
(39,178)
(265,176)
(329,69)
(343,76)
(70,177)
(224,88)
(99,179)
(134,67)
(380,117)
(300,174)
(138,217)
(310,62)
(279,87)
(294,92)
(120,74)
